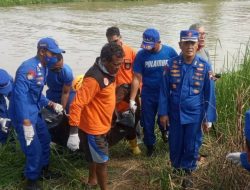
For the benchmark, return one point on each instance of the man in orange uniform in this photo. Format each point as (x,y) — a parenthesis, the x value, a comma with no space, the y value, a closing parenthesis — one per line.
(91,111)
(123,84)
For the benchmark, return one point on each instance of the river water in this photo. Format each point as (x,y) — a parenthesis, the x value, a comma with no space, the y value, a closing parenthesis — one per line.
(80,28)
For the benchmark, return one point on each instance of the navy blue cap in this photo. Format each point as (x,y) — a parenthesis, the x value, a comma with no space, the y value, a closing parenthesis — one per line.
(189,35)
(5,82)
(247,125)
(49,44)
(150,37)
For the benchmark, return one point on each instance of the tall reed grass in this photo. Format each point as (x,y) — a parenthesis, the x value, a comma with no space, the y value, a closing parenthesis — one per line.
(233,96)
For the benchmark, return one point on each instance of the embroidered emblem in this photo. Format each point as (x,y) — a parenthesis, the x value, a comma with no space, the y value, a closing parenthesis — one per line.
(198,74)
(175,66)
(196,78)
(197,83)
(200,69)
(196,91)
(31,74)
(175,71)
(106,81)
(174,86)
(127,66)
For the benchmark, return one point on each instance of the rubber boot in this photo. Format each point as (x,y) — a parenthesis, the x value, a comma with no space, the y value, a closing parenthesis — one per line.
(150,150)
(32,185)
(134,147)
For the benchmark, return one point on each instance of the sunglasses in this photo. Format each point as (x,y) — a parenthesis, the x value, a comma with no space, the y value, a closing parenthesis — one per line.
(202,33)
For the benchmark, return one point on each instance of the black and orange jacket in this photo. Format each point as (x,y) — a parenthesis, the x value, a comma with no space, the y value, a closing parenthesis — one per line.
(94,103)
(125,74)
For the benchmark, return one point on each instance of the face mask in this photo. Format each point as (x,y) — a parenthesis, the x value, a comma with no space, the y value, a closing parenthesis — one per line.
(50,61)
(56,70)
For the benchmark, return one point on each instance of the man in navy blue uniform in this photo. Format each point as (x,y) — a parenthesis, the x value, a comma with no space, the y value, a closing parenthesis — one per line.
(5,90)
(25,103)
(187,102)
(59,81)
(148,69)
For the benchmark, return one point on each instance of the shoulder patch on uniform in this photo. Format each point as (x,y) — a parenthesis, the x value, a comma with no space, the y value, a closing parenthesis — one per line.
(127,63)
(31,74)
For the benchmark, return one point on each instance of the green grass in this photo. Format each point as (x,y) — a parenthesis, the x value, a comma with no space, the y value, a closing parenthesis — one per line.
(128,172)
(233,94)
(125,171)
(4,3)
(26,2)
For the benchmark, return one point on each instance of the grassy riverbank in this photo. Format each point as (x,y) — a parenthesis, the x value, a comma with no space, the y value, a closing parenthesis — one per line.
(4,3)
(26,2)
(127,172)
